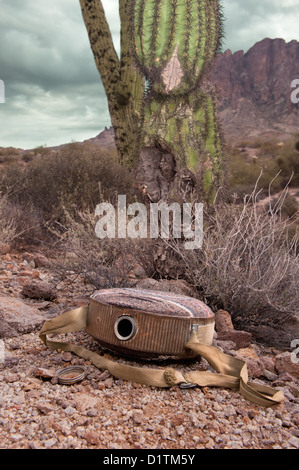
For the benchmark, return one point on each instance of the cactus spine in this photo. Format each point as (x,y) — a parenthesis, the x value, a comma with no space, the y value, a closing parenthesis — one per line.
(172,45)
(179,36)
(175,42)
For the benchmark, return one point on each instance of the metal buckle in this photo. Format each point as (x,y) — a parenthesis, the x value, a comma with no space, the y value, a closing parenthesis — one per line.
(184,385)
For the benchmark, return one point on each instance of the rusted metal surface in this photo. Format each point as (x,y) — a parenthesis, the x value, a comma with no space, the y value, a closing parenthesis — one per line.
(70,375)
(164,321)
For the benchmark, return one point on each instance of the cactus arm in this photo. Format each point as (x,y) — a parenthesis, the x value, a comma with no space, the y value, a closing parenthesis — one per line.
(102,46)
(179,34)
(123,84)
(132,83)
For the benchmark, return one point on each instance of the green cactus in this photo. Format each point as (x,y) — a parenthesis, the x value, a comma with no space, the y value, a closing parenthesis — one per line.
(159,100)
(175,41)
(190,130)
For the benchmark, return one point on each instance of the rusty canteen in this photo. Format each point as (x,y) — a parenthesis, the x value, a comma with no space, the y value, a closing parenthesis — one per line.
(146,323)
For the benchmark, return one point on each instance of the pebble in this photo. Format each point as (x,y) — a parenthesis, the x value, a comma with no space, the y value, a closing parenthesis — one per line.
(35,413)
(69,411)
(92,412)
(107,413)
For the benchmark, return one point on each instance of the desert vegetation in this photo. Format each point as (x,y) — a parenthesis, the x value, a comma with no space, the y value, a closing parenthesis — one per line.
(249,260)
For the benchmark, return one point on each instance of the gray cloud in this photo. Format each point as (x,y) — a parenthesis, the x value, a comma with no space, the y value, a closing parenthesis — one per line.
(53,90)
(247,22)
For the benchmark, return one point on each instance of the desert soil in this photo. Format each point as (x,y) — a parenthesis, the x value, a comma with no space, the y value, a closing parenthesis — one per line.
(102,412)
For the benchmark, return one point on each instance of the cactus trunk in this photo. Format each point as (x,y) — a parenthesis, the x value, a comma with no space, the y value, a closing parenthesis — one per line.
(180,36)
(123,83)
(170,133)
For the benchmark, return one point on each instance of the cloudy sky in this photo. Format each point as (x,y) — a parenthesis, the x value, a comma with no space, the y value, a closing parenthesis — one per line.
(53,92)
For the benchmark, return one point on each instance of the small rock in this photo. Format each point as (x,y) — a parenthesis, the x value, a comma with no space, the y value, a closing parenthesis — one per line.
(138,417)
(16,437)
(92,438)
(17,318)
(223,321)
(269,375)
(40,260)
(50,443)
(229,410)
(294,442)
(11,378)
(67,356)
(69,411)
(104,375)
(39,290)
(180,430)
(108,382)
(242,339)
(92,412)
(253,362)
(4,248)
(45,408)
(44,373)
(284,363)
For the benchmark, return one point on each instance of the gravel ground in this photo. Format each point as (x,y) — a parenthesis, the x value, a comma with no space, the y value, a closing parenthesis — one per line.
(102,412)
(107,413)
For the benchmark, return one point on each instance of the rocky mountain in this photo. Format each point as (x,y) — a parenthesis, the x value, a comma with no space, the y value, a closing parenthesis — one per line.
(254,94)
(255,90)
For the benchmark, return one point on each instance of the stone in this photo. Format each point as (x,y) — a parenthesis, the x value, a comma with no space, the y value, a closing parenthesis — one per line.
(92,412)
(294,442)
(39,290)
(253,362)
(225,330)
(18,318)
(40,260)
(49,443)
(242,339)
(44,408)
(223,321)
(44,373)
(85,401)
(70,410)
(284,363)
(4,248)
(270,376)
(229,410)
(92,437)
(138,417)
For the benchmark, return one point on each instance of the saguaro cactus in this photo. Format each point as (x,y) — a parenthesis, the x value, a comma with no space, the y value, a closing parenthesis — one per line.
(162,108)
(175,41)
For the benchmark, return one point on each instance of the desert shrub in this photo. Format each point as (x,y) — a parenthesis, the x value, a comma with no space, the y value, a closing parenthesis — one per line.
(276,163)
(288,163)
(290,206)
(101,263)
(73,179)
(245,173)
(19,225)
(248,264)
(7,223)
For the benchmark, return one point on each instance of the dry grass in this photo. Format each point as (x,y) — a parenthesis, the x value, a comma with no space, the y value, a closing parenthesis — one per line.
(7,224)
(248,263)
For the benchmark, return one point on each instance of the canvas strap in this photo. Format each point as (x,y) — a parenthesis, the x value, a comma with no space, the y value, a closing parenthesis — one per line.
(229,371)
